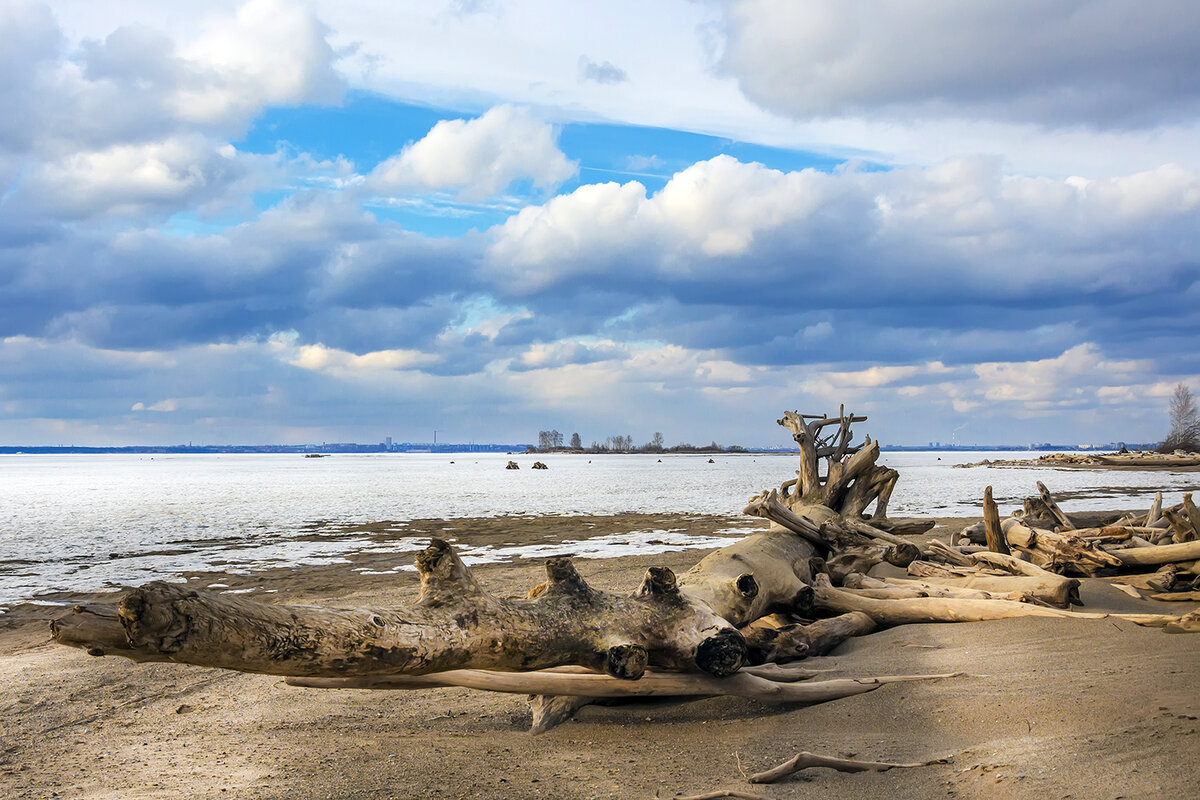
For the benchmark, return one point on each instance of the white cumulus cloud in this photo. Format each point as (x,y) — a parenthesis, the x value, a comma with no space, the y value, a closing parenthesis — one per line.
(960,227)
(479,157)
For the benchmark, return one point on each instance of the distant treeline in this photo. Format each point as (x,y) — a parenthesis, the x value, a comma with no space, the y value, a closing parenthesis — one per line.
(552,442)
(331,447)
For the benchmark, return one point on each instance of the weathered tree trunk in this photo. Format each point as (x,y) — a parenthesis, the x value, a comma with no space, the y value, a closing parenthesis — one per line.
(1162,554)
(887,613)
(453,625)
(1052,507)
(991,525)
(761,574)
(904,589)
(772,639)
(1057,551)
(1155,512)
(1193,516)
(1162,581)
(1054,590)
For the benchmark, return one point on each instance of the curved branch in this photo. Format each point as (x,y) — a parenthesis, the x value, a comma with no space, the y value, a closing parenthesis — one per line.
(652,684)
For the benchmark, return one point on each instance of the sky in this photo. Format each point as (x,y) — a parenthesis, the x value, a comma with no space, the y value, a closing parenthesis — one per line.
(280,221)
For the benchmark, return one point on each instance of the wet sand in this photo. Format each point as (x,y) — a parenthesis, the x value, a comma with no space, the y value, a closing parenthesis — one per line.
(1046,709)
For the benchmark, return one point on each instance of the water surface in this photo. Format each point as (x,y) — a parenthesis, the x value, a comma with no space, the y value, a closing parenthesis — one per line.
(84,522)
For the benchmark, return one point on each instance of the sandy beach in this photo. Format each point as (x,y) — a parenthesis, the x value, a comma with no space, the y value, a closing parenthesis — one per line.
(1045,709)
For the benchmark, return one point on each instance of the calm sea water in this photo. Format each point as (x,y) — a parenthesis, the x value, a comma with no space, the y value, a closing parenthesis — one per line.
(85,522)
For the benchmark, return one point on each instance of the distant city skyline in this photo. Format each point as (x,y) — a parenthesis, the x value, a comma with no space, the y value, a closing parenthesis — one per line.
(290,221)
(491,447)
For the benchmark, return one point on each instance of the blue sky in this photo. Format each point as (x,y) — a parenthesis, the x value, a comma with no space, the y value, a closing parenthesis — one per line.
(367,128)
(285,221)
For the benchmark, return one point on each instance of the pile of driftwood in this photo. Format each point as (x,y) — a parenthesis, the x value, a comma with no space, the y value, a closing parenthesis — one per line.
(1139,460)
(734,624)
(1157,552)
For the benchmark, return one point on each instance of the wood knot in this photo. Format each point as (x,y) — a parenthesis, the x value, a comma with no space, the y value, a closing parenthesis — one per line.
(429,559)
(132,606)
(659,582)
(901,554)
(802,601)
(746,585)
(626,661)
(563,578)
(722,654)
(156,613)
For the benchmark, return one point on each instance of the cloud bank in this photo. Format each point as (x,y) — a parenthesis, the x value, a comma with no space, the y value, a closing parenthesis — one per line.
(161,280)
(1051,62)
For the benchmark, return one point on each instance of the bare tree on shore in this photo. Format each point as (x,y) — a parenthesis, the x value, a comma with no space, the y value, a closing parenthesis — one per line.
(1185,422)
(550,440)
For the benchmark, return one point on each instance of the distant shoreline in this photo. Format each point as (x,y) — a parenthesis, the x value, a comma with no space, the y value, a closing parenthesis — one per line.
(510,449)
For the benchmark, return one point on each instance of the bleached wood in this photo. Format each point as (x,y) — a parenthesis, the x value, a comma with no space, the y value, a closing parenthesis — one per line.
(651,684)
(1058,551)
(1177,597)
(805,760)
(454,624)
(1053,508)
(1162,554)
(929,609)
(1155,512)
(991,525)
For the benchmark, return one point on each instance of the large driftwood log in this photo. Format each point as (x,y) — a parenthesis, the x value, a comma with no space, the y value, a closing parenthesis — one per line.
(1053,590)
(454,624)
(761,574)
(888,613)
(1162,554)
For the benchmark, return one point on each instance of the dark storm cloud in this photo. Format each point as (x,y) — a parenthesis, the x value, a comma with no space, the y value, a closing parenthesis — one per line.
(300,266)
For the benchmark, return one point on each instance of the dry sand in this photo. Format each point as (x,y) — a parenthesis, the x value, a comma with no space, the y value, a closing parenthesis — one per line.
(1047,709)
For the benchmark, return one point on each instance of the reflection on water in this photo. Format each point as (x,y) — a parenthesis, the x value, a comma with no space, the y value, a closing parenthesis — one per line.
(88,521)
